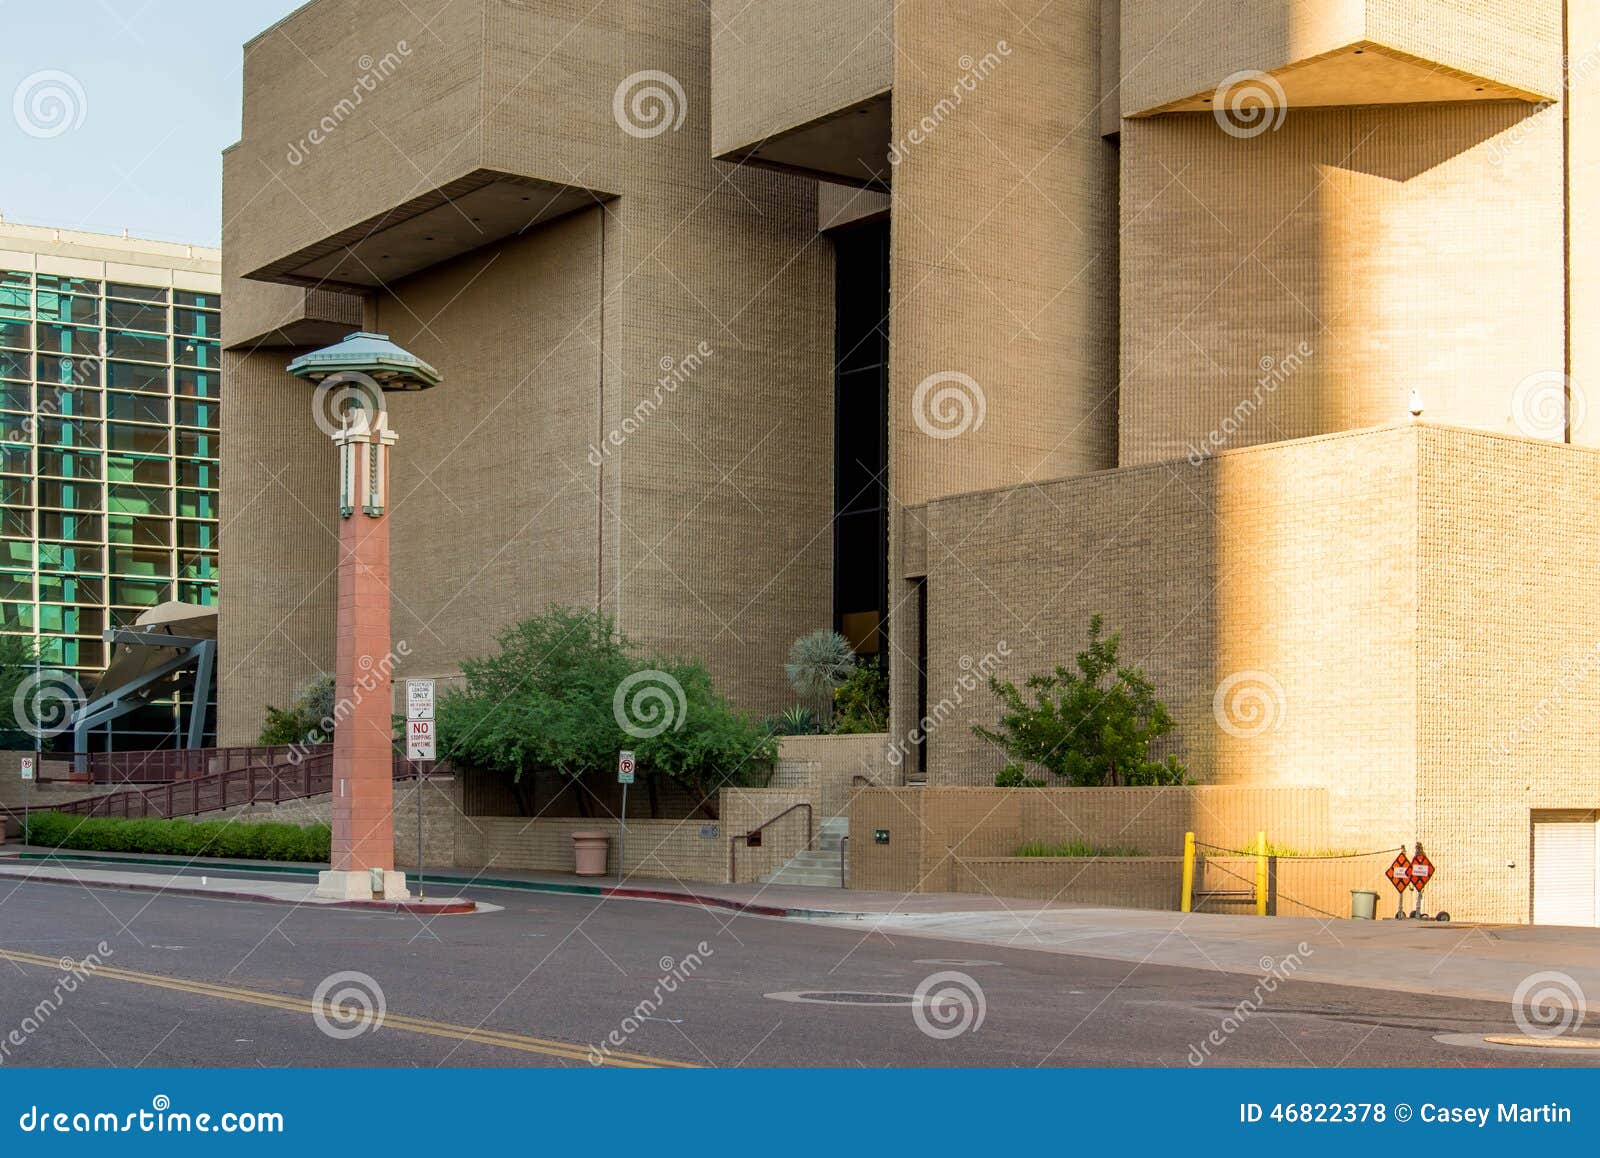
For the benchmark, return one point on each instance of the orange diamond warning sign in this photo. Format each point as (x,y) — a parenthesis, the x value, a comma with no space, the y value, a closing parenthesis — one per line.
(1398,873)
(1421,870)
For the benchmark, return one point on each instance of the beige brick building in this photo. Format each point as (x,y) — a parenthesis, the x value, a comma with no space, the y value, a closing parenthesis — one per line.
(1257,327)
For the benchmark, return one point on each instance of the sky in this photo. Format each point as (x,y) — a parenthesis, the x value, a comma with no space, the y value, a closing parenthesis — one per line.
(115,112)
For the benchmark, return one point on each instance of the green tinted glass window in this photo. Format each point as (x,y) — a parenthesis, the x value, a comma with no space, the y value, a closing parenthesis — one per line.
(69,525)
(134,500)
(193,413)
(16,616)
(197,504)
(204,594)
(75,588)
(127,376)
(69,402)
(128,531)
(208,301)
(198,383)
(195,352)
(122,407)
(151,319)
(71,557)
(141,561)
(146,470)
(15,364)
(197,323)
(16,585)
(74,496)
(15,302)
(140,347)
(140,592)
(16,553)
(16,491)
(197,534)
(197,473)
(69,371)
(15,396)
(16,459)
(194,444)
(193,566)
(83,311)
(68,432)
(16,522)
(16,335)
(69,463)
(138,293)
(69,285)
(139,439)
(74,340)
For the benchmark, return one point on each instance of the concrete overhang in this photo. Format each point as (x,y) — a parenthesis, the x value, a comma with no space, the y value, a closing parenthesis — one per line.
(1362,73)
(474,210)
(850,146)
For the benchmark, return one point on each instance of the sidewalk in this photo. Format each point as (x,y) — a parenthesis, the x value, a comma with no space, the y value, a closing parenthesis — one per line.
(1469,961)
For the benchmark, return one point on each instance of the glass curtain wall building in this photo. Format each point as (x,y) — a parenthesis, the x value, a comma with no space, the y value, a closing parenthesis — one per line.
(109,393)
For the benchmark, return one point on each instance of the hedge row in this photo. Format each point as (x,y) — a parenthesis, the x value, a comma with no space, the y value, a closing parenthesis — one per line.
(209,838)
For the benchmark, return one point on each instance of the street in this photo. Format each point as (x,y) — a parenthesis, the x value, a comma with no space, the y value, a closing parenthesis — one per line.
(186,981)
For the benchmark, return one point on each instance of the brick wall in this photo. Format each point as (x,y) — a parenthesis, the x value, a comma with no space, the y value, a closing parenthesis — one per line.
(930,829)
(1274,574)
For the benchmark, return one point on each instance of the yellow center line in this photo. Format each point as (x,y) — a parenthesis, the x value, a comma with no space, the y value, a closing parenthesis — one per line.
(346,1013)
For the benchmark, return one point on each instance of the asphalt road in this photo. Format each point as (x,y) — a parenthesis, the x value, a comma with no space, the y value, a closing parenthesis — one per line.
(192,981)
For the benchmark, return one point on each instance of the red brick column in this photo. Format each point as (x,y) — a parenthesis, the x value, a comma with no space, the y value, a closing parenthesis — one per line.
(363,780)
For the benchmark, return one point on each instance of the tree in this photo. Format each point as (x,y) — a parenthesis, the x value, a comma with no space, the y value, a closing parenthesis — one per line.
(24,698)
(819,663)
(307,720)
(1092,728)
(566,692)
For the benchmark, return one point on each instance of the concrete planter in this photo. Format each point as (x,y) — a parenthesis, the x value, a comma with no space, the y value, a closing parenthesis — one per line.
(589,851)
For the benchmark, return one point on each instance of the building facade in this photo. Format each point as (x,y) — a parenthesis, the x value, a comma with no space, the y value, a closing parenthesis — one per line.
(110,384)
(1256,328)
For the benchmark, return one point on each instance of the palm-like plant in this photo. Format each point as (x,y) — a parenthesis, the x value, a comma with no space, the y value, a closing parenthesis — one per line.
(819,663)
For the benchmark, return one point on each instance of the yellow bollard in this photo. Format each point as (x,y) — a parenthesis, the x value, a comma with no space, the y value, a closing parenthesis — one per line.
(1188,872)
(1261,874)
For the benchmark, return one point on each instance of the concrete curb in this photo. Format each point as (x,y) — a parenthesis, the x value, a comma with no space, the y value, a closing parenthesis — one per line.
(605,892)
(417,908)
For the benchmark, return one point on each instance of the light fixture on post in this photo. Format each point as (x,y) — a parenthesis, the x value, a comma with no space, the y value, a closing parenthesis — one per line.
(352,377)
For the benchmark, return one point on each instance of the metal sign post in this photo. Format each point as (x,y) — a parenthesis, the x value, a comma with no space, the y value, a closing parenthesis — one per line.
(420,745)
(625,769)
(27,793)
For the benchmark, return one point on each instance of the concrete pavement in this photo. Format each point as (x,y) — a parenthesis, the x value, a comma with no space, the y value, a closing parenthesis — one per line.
(186,980)
(1465,961)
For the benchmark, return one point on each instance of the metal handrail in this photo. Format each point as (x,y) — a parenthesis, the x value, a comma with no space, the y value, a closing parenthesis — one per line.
(733,841)
(192,797)
(844,843)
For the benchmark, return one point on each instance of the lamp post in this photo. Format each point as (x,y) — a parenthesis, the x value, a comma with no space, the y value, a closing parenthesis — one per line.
(352,377)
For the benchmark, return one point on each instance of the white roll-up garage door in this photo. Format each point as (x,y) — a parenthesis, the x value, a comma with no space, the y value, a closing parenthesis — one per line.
(1564,868)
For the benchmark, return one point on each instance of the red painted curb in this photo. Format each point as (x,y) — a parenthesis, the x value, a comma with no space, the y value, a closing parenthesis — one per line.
(623,892)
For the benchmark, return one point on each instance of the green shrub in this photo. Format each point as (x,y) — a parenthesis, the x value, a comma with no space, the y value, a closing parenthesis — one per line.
(211,838)
(1078,848)
(861,703)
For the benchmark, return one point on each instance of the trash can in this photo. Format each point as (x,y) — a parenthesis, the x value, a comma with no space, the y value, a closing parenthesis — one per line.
(589,850)
(1363,905)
